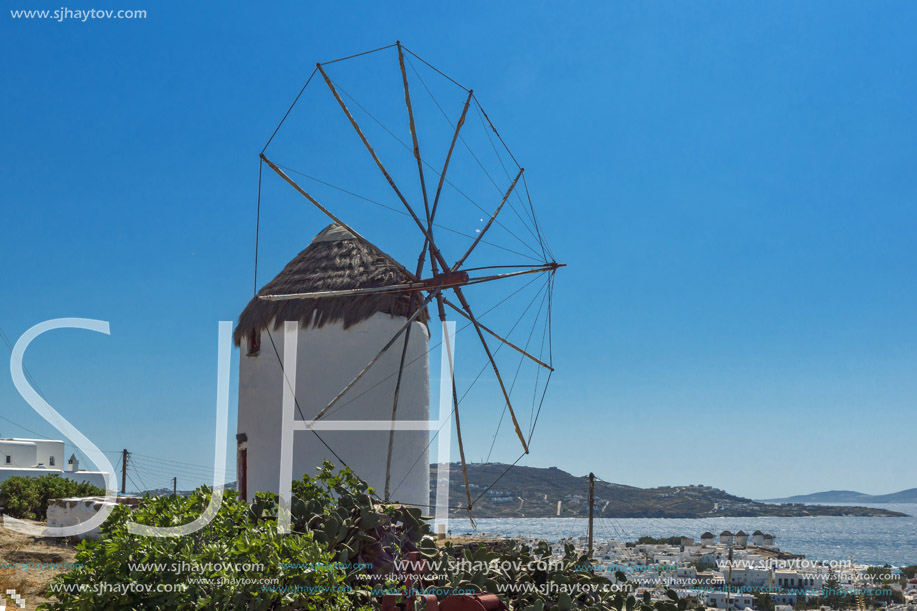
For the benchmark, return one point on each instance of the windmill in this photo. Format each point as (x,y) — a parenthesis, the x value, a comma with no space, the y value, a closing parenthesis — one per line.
(452,262)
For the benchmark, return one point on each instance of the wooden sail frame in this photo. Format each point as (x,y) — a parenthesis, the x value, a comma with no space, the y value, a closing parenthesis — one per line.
(445,276)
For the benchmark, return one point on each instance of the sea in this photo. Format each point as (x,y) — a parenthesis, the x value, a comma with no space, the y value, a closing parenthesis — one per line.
(875,541)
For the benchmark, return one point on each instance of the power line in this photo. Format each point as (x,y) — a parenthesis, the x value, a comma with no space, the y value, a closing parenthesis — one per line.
(179,463)
(24,428)
(34,384)
(203,478)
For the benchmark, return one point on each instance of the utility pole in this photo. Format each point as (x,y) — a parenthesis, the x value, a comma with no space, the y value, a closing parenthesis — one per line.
(591,503)
(174,486)
(124,471)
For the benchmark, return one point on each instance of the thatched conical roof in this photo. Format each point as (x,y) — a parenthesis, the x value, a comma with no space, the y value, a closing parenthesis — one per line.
(335,260)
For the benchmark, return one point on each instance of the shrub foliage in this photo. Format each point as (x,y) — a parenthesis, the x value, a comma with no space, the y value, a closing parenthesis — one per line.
(27,497)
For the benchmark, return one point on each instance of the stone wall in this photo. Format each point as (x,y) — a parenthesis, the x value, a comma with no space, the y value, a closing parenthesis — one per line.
(72,511)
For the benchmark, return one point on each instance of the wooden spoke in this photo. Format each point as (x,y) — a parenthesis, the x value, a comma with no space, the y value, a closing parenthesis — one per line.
(420,263)
(462,313)
(461,445)
(455,408)
(455,136)
(375,157)
(493,364)
(407,101)
(391,433)
(310,198)
(548,267)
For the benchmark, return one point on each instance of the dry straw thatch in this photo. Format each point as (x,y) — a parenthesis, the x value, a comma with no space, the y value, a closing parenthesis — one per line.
(335,260)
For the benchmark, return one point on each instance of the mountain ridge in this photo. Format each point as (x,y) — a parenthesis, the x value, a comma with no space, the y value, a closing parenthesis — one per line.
(849,496)
(499,491)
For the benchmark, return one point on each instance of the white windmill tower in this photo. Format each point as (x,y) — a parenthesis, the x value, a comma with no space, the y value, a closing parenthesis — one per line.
(335,336)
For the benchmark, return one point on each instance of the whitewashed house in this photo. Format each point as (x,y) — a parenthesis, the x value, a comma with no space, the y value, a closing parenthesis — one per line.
(750,576)
(37,457)
(337,338)
(736,600)
(794,579)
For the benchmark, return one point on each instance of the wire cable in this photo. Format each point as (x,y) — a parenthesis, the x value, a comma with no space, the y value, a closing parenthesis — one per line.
(287,113)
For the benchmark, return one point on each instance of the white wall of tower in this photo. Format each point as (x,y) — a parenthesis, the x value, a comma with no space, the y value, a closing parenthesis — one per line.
(328,358)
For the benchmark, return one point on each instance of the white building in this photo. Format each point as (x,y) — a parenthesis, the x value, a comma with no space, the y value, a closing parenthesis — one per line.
(783,600)
(37,457)
(793,579)
(750,576)
(736,600)
(337,338)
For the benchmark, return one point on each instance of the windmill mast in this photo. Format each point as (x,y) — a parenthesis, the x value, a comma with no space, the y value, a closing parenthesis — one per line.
(591,505)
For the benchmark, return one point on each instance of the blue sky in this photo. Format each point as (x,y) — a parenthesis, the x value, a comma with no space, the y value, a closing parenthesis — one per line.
(730,184)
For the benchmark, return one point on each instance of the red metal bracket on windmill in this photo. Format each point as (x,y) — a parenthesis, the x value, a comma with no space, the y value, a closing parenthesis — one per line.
(446,280)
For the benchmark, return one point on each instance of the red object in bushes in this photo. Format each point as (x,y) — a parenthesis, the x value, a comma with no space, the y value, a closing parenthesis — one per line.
(464,602)
(475,602)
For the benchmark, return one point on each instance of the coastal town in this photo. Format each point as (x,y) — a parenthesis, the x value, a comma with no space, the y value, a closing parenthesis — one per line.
(740,571)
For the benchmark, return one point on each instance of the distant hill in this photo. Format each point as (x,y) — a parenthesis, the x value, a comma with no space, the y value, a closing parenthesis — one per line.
(533,493)
(849,496)
(168,491)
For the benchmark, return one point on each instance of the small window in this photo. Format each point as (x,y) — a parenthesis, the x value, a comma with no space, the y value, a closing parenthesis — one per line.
(254,342)
(9,459)
(51,461)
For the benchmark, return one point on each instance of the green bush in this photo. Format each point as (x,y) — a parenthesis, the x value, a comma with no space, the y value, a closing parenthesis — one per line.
(27,497)
(235,562)
(335,524)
